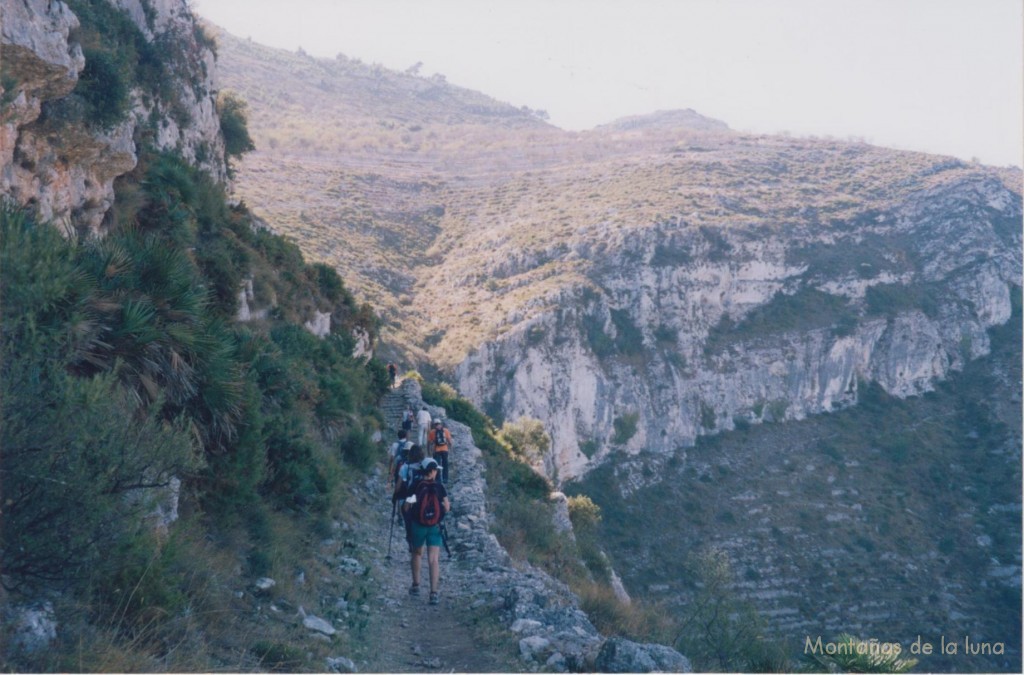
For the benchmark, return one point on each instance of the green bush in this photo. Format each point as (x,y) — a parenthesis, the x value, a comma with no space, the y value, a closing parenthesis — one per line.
(81,466)
(666,335)
(358,450)
(527,438)
(625,427)
(117,58)
(329,282)
(629,339)
(234,126)
(104,87)
(584,513)
(600,342)
(142,585)
(854,655)
(294,477)
(719,630)
(708,419)
(78,451)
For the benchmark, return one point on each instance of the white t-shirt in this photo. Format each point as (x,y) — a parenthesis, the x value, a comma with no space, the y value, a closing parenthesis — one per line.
(423,419)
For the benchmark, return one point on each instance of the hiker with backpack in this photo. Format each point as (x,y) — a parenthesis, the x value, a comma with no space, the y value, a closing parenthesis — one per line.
(439,442)
(403,476)
(426,506)
(397,456)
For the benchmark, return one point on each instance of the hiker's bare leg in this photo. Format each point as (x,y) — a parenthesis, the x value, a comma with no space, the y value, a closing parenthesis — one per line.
(414,562)
(434,562)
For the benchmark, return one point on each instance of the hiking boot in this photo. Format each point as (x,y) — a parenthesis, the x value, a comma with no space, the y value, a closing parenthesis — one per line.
(434,599)
(414,589)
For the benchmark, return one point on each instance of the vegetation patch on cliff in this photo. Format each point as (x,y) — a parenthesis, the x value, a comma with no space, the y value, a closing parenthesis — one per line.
(804,310)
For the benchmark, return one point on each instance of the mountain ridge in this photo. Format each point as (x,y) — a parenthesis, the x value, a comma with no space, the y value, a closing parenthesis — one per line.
(686,118)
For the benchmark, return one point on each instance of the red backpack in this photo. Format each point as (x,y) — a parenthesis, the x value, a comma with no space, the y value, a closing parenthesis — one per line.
(429,509)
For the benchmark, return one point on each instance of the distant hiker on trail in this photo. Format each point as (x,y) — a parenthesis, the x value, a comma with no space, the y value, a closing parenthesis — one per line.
(408,417)
(439,442)
(398,452)
(423,425)
(428,506)
(392,373)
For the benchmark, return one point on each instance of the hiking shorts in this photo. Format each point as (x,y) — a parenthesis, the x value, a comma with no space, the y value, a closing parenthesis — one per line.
(424,535)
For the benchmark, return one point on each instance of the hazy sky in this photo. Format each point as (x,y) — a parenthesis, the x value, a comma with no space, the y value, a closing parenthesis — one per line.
(942,76)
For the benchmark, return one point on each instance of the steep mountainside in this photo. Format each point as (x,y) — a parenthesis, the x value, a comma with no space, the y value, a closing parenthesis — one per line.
(639,285)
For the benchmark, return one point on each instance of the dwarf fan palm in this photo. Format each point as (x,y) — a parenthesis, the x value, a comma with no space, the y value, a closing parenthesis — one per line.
(146,319)
(143,317)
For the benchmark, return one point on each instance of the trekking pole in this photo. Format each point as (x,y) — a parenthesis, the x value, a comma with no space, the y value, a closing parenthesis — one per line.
(394,506)
(444,539)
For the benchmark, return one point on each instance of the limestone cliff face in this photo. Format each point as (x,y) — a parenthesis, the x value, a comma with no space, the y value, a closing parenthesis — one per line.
(684,331)
(66,171)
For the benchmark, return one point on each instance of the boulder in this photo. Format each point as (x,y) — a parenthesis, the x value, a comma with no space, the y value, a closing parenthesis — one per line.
(340,664)
(35,627)
(319,625)
(618,655)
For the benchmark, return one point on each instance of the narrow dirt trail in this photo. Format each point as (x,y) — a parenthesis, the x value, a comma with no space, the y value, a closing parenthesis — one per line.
(433,638)
(427,637)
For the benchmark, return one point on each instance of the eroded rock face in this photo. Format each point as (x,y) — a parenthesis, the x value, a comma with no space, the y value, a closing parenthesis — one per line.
(654,353)
(66,172)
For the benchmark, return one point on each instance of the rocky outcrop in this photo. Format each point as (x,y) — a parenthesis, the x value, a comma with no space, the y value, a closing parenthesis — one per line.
(320,324)
(33,626)
(622,656)
(683,331)
(65,171)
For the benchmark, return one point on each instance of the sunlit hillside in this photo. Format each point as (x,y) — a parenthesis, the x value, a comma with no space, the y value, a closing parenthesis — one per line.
(447,207)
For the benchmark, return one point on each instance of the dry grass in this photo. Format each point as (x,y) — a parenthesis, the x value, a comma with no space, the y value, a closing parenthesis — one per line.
(204,615)
(637,620)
